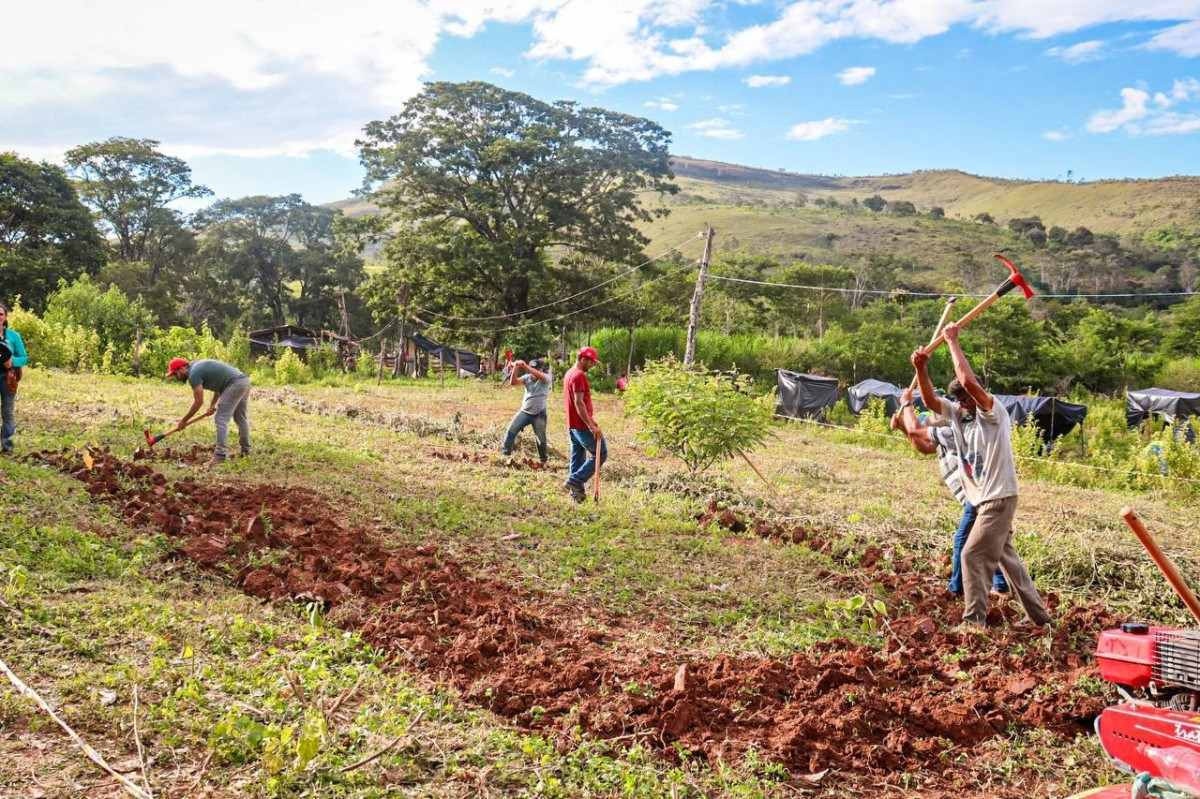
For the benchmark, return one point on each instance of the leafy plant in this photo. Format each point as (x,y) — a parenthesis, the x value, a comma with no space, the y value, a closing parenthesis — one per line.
(699,418)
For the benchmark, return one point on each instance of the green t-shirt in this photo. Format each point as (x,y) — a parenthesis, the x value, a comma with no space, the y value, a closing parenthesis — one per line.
(213,375)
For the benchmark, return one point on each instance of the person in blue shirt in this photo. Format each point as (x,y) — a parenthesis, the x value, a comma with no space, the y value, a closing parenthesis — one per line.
(12,358)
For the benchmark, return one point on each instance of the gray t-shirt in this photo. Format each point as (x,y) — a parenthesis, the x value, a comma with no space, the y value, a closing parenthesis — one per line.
(984,446)
(212,374)
(536,393)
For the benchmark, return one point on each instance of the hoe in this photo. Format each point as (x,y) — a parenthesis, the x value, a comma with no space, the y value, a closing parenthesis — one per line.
(1154,732)
(152,439)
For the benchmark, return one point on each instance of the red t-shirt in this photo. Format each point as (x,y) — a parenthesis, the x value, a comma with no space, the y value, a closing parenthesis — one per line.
(576,382)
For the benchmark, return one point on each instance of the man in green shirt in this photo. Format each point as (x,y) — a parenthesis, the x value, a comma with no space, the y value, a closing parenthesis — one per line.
(231,393)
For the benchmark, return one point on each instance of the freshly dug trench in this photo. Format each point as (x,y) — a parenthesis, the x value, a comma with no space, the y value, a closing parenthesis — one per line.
(534,659)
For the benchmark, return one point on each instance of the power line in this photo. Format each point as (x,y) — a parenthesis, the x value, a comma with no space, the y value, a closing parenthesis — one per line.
(898,292)
(559,317)
(580,293)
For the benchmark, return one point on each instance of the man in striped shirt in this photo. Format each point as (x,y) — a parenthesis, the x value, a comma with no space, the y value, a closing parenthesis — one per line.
(929,440)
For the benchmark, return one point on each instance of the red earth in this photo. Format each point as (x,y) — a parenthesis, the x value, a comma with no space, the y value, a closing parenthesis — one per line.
(922,705)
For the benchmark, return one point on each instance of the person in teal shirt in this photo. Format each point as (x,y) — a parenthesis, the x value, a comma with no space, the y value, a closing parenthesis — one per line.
(12,357)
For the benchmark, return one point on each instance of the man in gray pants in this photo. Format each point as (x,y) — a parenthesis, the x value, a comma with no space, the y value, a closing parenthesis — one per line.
(981,435)
(231,393)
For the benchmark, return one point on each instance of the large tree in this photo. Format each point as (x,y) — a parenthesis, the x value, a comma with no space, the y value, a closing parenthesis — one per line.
(484,184)
(46,234)
(278,252)
(130,185)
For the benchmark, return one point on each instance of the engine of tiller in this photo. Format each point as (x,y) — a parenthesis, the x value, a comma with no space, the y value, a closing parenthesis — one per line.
(1156,729)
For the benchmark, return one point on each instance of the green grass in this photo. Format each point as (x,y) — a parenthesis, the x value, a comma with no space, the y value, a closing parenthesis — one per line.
(232,690)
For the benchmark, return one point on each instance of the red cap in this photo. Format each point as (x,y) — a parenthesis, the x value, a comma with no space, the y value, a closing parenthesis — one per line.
(590,353)
(175,365)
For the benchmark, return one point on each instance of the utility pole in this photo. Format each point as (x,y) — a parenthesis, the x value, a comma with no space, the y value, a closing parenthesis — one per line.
(689,353)
(402,348)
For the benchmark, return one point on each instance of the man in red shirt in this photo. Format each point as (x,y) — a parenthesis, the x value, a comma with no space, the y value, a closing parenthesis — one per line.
(581,424)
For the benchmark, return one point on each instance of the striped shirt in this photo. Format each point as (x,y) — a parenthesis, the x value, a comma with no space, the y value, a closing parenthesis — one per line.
(949,463)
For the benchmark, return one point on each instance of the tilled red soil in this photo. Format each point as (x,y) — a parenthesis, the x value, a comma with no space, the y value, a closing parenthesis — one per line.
(921,705)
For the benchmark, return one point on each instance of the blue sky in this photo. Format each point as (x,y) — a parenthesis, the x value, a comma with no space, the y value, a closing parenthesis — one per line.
(262,98)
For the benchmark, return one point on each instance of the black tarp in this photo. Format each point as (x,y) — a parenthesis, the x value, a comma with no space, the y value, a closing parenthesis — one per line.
(1053,417)
(1172,406)
(858,395)
(802,395)
(297,339)
(467,360)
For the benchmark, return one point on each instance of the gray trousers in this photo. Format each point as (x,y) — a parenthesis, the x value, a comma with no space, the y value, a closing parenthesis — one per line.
(990,545)
(232,403)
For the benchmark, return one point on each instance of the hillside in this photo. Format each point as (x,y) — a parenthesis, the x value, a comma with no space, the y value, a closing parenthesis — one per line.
(760,211)
(1111,206)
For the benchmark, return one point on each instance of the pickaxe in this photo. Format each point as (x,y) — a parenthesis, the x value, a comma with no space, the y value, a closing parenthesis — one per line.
(1015,280)
(151,440)
(941,323)
(599,459)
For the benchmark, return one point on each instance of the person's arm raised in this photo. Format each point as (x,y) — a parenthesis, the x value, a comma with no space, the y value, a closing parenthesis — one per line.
(964,372)
(920,362)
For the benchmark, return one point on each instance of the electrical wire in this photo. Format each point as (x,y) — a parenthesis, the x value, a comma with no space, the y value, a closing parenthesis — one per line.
(895,292)
(580,293)
(533,323)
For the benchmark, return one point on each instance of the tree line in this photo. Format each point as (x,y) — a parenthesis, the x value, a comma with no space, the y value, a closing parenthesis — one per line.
(494,206)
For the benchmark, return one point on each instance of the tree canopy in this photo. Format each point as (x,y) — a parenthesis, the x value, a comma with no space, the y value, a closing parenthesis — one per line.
(482,184)
(46,234)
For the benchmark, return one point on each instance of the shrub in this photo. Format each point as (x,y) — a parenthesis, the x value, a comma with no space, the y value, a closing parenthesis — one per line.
(701,419)
(1180,374)
(181,342)
(290,370)
(33,330)
(322,360)
(112,316)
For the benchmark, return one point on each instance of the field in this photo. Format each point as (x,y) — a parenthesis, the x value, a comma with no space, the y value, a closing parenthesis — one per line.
(375,603)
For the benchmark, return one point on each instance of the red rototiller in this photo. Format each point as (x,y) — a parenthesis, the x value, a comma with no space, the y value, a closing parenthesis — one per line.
(1154,732)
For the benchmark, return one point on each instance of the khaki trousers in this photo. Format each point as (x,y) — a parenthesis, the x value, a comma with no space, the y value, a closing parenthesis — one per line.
(988,546)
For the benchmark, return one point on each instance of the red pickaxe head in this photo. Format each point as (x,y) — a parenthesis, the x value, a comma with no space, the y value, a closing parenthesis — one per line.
(1015,279)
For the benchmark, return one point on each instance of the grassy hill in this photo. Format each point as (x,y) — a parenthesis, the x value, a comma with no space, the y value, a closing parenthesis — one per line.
(760,211)
(1110,206)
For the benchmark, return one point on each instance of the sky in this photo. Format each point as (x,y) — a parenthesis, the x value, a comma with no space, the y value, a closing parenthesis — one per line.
(267,97)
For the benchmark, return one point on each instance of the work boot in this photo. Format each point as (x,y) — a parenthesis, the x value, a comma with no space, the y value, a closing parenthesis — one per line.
(577,492)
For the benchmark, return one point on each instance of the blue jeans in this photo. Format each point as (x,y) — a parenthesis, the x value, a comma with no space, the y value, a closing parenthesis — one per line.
(583,452)
(8,417)
(519,423)
(960,538)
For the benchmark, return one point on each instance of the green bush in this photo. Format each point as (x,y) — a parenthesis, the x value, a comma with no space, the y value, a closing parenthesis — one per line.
(1180,374)
(33,331)
(699,418)
(290,370)
(750,353)
(322,360)
(110,315)
(180,342)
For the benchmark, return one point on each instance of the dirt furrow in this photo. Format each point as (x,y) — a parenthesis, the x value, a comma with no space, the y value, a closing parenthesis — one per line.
(915,706)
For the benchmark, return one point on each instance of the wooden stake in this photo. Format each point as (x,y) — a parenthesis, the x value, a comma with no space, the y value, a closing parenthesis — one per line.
(130,787)
(1163,562)
(750,463)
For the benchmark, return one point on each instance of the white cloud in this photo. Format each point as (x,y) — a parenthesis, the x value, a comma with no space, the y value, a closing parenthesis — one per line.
(855,76)
(1056,135)
(662,104)
(1079,53)
(716,128)
(1183,39)
(734,109)
(819,128)
(1133,108)
(759,81)
(1172,113)
(503,72)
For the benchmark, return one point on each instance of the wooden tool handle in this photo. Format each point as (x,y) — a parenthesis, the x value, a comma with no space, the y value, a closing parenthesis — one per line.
(970,317)
(941,323)
(1161,560)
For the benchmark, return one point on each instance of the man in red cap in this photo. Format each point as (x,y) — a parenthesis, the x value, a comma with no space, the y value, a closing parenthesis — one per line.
(231,394)
(582,425)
